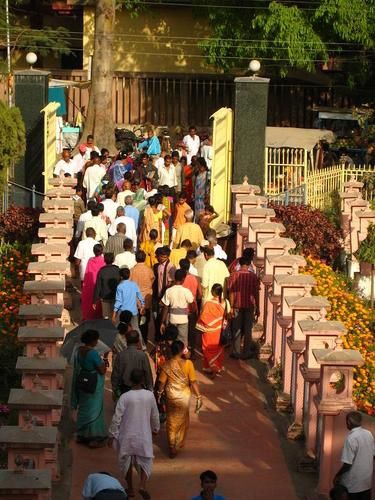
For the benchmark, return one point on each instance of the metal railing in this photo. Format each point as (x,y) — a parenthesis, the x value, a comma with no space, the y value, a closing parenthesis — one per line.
(10,195)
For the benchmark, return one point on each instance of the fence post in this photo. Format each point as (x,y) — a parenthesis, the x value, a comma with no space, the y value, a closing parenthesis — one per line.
(33,200)
(341,189)
(286,199)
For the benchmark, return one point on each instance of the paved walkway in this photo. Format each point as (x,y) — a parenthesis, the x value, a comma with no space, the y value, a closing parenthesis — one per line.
(233,435)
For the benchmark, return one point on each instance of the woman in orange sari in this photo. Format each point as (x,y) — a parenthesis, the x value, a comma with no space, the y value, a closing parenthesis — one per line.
(178,380)
(211,322)
(188,172)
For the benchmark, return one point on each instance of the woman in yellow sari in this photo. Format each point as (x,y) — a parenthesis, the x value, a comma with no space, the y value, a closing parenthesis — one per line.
(152,219)
(178,380)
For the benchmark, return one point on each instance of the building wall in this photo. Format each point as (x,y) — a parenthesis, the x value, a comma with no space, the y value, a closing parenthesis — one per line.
(146,44)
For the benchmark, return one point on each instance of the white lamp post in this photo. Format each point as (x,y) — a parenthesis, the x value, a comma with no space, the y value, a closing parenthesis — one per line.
(31,58)
(254,67)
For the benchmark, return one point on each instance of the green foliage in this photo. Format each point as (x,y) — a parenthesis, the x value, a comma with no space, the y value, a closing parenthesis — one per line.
(12,138)
(292,35)
(366,250)
(42,41)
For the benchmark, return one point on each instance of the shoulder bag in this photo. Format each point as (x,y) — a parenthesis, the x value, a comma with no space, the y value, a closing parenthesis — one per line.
(86,380)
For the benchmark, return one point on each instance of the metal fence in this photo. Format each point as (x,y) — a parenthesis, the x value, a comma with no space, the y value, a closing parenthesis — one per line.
(322,183)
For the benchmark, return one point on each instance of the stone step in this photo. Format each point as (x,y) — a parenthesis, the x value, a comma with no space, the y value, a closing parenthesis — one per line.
(40,311)
(35,437)
(50,250)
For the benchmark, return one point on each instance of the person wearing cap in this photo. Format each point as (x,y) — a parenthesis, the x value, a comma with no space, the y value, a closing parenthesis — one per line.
(79,158)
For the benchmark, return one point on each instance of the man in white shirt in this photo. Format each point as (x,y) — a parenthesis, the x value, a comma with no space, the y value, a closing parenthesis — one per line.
(98,224)
(127,257)
(85,250)
(176,302)
(102,485)
(79,158)
(192,143)
(357,459)
(167,173)
(129,224)
(94,174)
(65,166)
(90,146)
(110,205)
(84,217)
(219,252)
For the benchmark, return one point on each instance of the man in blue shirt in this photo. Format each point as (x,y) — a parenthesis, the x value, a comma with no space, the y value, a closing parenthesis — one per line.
(151,145)
(131,211)
(101,485)
(128,298)
(208,483)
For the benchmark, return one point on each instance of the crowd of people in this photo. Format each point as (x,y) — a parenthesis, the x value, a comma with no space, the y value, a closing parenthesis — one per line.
(149,262)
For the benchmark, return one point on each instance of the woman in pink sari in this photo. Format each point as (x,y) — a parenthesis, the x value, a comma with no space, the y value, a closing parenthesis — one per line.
(90,310)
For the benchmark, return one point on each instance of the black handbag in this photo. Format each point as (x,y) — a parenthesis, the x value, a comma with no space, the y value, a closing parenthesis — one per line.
(86,380)
(226,330)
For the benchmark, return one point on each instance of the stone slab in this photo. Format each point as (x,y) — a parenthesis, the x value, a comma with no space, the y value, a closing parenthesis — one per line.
(60,193)
(55,205)
(287,260)
(25,481)
(31,333)
(22,399)
(50,249)
(58,267)
(259,212)
(40,365)
(55,232)
(309,302)
(245,188)
(44,286)
(36,437)
(294,279)
(324,327)
(63,182)
(36,311)
(56,217)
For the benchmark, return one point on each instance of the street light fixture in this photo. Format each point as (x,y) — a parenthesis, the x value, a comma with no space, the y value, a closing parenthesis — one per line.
(31,58)
(254,67)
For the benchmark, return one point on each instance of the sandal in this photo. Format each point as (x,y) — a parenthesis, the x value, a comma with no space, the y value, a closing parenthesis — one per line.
(144,494)
(129,493)
(172,453)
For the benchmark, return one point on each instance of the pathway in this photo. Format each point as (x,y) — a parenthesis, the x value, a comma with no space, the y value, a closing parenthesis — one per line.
(233,435)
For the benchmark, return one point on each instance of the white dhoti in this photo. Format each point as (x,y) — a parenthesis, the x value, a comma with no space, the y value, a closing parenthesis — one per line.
(143,463)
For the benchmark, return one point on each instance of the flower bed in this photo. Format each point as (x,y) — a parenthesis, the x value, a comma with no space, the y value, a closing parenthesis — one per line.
(311,230)
(14,260)
(359,321)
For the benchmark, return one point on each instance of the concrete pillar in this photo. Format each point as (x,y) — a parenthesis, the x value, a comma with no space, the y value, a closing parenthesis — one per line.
(251,106)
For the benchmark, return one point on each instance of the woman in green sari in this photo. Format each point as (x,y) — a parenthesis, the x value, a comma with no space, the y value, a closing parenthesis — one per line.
(91,428)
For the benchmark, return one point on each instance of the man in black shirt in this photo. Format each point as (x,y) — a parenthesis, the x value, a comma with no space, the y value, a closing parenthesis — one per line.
(106,285)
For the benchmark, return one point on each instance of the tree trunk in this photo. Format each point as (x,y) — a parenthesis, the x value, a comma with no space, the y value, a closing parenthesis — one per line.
(99,121)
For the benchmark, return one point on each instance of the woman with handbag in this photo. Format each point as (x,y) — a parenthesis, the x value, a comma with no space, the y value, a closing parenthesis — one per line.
(88,392)
(213,323)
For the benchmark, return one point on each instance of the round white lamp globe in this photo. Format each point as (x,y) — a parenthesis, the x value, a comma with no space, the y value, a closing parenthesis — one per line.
(31,58)
(254,66)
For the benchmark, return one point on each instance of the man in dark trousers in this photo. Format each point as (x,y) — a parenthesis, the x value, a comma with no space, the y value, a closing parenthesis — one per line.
(106,284)
(126,361)
(243,288)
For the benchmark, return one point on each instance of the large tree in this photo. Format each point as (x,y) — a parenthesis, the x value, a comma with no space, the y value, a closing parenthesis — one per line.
(99,120)
(287,34)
